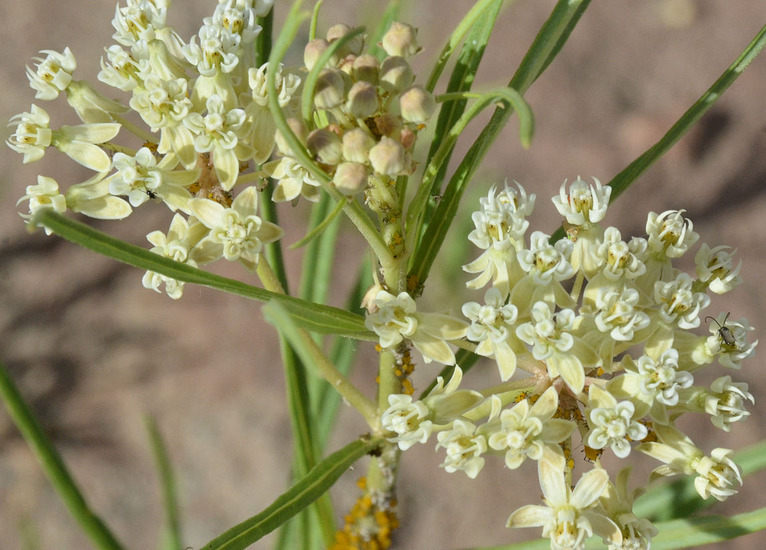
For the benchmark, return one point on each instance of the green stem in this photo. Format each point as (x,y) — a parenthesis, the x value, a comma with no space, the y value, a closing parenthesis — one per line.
(54,467)
(312,355)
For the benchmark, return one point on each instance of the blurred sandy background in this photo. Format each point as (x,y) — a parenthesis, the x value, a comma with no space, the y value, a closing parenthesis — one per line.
(93,351)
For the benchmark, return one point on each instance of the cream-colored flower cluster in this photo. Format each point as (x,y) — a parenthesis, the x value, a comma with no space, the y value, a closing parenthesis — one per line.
(606,330)
(206,130)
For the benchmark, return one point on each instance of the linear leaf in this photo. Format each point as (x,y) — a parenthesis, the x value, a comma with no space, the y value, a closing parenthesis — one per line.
(53,465)
(631,173)
(307,490)
(313,317)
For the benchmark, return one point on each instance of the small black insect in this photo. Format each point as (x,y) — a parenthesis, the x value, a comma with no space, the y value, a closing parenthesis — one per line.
(724,332)
(152,195)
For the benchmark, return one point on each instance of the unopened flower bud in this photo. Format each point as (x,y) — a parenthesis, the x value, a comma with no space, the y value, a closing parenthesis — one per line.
(325,146)
(366,67)
(357,144)
(401,39)
(298,129)
(417,105)
(388,157)
(353,46)
(330,89)
(313,50)
(395,74)
(362,99)
(350,178)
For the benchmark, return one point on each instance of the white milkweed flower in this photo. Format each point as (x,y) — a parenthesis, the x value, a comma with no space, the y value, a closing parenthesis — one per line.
(717,475)
(396,318)
(679,303)
(621,260)
(659,383)
(237,233)
(52,74)
(120,70)
(492,326)
(569,517)
(546,266)
(725,402)
(176,245)
(223,133)
(80,143)
(715,268)
(138,21)
(612,423)
(618,313)
(33,134)
(408,419)
(140,177)
(216,52)
(552,340)
(728,354)
(499,231)
(293,181)
(502,217)
(525,431)
(464,447)
(670,235)
(45,194)
(413,421)
(545,262)
(584,204)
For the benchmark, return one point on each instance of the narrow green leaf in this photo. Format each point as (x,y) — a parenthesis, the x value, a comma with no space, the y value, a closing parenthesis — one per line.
(633,171)
(320,228)
(482,17)
(303,430)
(315,360)
(169,490)
(53,466)
(513,102)
(307,490)
(478,24)
(342,356)
(313,317)
(546,45)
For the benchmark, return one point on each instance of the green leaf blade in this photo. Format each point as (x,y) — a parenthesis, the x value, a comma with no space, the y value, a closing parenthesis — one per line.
(295,499)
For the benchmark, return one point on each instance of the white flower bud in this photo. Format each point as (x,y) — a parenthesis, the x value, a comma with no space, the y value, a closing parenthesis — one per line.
(417,105)
(395,74)
(356,145)
(325,146)
(362,99)
(353,46)
(387,157)
(366,67)
(330,89)
(313,50)
(401,39)
(350,178)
